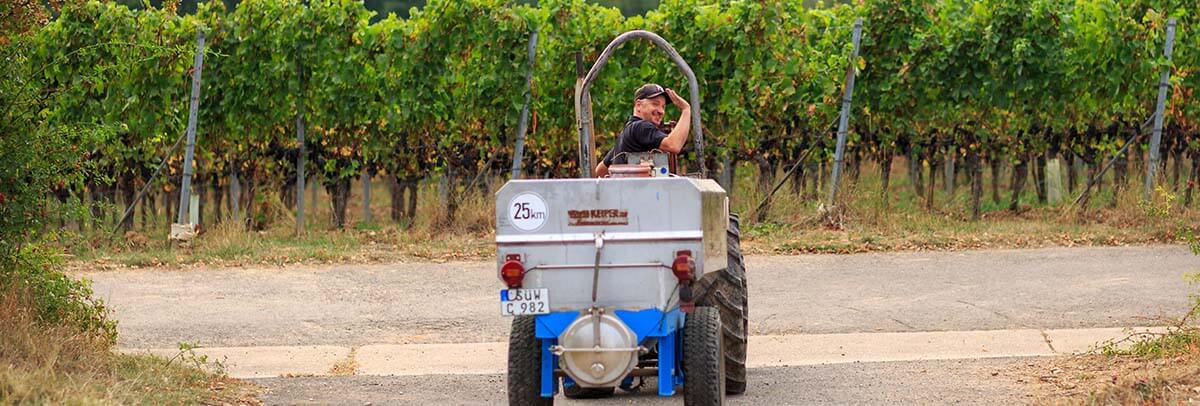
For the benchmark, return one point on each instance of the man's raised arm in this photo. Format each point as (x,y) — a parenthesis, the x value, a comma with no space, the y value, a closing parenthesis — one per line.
(678,136)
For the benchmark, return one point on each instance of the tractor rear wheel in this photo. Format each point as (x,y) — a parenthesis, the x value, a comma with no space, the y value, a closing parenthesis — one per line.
(525,365)
(726,291)
(703,361)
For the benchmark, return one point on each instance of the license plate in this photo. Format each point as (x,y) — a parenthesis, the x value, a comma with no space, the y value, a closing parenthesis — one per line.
(524,302)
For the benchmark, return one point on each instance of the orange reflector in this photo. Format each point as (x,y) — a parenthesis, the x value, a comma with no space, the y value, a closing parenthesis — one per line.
(513,273)
(684,266)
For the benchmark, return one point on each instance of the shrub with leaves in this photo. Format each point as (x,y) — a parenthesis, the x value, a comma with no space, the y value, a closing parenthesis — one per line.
(40,165)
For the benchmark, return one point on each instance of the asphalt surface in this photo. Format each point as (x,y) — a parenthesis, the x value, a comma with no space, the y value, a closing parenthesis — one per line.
(883,383)
(456,302)
(414,303)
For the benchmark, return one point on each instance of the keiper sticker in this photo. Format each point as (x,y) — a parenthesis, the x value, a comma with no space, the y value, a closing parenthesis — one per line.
(527,211)
(598,217)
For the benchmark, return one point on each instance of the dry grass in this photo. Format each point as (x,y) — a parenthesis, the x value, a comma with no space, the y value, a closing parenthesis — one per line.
(431,237)
(1145,368)
(1148,368)
(346,367)
(42,364)
(868,221)
(796,223)
(1115,379)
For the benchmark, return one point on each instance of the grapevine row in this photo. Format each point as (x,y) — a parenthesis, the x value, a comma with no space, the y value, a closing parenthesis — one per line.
(991,82)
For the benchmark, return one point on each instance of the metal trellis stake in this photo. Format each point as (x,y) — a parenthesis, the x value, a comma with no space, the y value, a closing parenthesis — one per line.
(1163,84)
(1093,180)
(300,174)
(149,182)
(843,122)
(194,107)
(366,185)
(523,124)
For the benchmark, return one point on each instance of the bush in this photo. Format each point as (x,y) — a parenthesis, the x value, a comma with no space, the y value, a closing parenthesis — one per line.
(39,165)
(56,338)
(56,299)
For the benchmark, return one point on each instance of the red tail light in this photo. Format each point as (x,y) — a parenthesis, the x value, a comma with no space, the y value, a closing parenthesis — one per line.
(684,266)
(513,271)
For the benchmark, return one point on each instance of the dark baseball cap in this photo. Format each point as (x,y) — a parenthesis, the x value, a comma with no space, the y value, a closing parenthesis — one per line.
(650,91)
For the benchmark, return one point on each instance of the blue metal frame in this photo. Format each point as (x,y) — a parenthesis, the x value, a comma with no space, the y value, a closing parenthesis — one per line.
(649,323)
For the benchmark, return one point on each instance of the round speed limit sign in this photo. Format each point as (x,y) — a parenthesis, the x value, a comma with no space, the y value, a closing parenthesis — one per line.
(527,211)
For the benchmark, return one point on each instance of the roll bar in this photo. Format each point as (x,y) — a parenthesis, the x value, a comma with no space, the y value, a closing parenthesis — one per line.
(583,106)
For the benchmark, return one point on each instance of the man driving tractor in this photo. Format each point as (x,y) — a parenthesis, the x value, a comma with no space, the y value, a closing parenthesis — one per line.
(641,132)
(684,323)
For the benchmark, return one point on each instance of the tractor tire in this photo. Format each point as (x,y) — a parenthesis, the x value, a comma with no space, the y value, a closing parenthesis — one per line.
(578,392)
(525,365)
(726,290)
(703,361)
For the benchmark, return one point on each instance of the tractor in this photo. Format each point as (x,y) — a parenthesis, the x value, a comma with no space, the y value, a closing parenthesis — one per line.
(615,281)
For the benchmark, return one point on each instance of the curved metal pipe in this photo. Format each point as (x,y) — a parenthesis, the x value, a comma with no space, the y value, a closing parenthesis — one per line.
(585,125)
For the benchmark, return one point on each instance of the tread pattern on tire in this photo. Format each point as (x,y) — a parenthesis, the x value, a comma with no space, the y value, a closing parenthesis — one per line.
(703,358)
(726,291)
(525,365)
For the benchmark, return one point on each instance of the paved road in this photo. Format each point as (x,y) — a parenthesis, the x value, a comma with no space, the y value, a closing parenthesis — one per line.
(455,302)
(1060,288)
(890,383)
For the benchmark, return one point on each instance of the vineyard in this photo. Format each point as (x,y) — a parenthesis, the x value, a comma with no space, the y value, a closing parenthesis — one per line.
(950,88)
(972,124)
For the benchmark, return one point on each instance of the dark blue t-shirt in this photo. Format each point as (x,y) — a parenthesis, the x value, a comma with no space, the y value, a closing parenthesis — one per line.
(637,136)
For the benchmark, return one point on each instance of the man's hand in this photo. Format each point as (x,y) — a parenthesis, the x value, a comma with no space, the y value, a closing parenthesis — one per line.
(678,136)
(601,170)
(678,101)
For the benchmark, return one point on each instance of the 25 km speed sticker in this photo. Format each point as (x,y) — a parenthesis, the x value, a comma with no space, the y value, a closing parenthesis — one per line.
(527,212)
